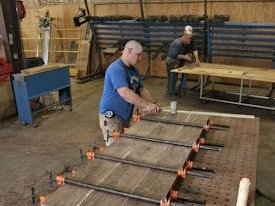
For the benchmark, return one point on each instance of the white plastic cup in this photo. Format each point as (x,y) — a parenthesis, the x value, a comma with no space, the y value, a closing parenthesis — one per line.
(173,107)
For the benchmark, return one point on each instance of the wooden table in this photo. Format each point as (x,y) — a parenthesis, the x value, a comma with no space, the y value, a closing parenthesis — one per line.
(237,159)
(235,72)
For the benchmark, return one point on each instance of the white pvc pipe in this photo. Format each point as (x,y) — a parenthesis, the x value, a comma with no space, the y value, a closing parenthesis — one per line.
(243,192)
(167,109)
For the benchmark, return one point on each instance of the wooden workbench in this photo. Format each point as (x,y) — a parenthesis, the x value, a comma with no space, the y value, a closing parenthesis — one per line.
(233,72)
(230,71)
(237,159)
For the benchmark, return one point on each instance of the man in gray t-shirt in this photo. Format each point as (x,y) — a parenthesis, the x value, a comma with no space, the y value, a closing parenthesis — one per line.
(179,54)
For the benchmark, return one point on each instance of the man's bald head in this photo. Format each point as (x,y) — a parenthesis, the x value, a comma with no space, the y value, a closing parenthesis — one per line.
(132,53)
(133,45)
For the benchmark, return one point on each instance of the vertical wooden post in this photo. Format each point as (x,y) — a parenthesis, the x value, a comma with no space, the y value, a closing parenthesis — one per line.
(10,31)
(141,8)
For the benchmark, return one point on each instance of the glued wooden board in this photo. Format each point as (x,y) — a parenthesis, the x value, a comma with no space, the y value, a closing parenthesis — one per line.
(141,181)
(152,153)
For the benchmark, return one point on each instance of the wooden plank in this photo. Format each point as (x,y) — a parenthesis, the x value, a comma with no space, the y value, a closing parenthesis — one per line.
(39,69)
(84,54)
(110,50)
(183,117)
(124,178)
(164,131)
(139,181)
(230,71)
(130,202)
(145,152)
(155,184)
(103,199)
(153,153)
(96,171)
(68,195)
(176,158)
(2,49)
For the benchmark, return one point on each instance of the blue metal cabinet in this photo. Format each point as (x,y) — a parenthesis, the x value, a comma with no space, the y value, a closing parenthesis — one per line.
(30,86)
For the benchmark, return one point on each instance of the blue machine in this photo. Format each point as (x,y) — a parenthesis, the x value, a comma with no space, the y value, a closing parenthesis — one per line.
(30,86)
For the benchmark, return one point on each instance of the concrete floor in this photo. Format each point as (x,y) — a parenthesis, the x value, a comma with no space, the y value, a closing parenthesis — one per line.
(26,153)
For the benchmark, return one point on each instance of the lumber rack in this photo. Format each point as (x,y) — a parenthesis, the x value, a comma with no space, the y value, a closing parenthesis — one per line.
(214,40)
(154,36)
(242,41)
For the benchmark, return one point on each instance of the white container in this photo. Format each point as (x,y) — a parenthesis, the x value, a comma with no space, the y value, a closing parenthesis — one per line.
(243,192)
(173,107)
(48,99)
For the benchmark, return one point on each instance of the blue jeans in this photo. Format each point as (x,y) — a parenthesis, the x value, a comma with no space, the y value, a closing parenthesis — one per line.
(173,77)
(183,83)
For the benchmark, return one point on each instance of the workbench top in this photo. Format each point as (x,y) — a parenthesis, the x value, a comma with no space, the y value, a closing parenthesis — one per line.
(43,68)
(229,71)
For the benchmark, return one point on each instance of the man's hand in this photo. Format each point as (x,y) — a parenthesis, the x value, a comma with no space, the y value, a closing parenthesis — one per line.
(197,62)
(151,108)
(187,57)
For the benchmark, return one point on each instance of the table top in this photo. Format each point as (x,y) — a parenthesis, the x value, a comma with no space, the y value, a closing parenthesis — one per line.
(43,68)
(229,71)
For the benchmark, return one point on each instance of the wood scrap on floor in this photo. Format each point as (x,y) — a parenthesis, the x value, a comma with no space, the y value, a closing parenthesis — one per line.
(84,55)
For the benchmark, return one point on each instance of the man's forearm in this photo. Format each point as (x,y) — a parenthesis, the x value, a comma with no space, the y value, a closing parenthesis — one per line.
(129,96)
(196,54)
(145,94)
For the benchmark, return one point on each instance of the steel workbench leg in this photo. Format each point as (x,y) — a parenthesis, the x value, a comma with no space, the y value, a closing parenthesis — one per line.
(201,86)
(241,91)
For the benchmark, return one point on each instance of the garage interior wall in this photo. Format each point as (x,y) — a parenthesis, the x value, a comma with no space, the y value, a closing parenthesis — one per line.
(250,11)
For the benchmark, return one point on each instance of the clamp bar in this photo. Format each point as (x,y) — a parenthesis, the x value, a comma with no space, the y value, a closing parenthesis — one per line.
(139,164)
(189,124)
(150,139)
(155,167)
(203,169)
(115,192)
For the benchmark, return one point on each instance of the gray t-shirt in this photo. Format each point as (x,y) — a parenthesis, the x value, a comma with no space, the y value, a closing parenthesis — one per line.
(177,47)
